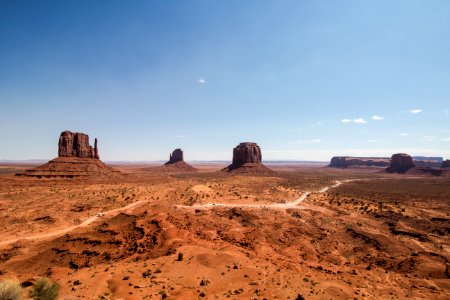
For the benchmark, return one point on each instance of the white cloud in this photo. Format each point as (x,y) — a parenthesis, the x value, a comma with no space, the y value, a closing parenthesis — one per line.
(404,134)
(446,139)
(415,111)
(313,141)
(428,138)
(377,118)
(359,121)
(201,81)
(346,121)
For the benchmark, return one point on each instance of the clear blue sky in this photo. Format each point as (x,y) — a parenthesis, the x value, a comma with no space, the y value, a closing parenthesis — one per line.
(306,80)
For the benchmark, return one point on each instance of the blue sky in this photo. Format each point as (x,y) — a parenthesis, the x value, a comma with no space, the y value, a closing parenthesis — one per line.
(306,80)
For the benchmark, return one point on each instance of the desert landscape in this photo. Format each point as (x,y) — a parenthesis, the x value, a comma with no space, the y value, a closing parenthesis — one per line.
(227,149)
(246,231)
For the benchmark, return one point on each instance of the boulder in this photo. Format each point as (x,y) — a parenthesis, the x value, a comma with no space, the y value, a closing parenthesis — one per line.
(400,163)
(247,158)
(76,144)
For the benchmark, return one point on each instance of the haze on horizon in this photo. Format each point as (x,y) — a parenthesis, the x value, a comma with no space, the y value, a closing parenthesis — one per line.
(306,80)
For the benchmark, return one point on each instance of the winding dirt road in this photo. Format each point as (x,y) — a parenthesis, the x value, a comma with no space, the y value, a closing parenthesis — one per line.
(293,204)
(116,211)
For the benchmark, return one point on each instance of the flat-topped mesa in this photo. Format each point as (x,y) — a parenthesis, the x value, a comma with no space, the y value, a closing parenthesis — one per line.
(446,164)
(247,158)
(175,156)
(76,144)
(347,161)
(400,163)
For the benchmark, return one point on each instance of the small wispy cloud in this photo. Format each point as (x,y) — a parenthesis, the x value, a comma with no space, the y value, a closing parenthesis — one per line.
(181,136)
(359,121)
(404,134)
(446,139)
(201,81)
(312,141)
(372,141)
(415,111)
(377,118)
(346,121)
(428,138)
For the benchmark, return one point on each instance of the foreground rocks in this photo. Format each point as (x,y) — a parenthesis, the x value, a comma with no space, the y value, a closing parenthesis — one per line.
(347,161)
(247,158)
(76,158)
(400,163)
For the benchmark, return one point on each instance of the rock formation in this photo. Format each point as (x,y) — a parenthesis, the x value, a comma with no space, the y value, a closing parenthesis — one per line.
(400,163)
(176,163)
(176,156)
(346,161)
(247,159)
(446,164)
(76,158)
(76,145)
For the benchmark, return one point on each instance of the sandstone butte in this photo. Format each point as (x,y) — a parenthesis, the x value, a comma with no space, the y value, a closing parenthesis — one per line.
(76,158)
(176,163)
(400,163)
(247,158)
(446,164)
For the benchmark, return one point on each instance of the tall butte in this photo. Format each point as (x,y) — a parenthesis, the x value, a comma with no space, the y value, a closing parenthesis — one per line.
(247,158)
(400,163)
(176,163)
(76,158)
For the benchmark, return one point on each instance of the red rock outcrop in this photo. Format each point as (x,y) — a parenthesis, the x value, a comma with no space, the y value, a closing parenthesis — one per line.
(347,161)
(400,163)
(175,156)
(446,164)
(176,163)
(76,144)
(247,158)
(76,158)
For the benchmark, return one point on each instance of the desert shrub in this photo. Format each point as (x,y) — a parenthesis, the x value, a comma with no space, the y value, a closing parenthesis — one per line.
(10,290)
(45,289)
(180,256)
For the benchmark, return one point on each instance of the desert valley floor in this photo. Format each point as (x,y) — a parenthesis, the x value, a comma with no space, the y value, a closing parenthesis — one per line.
(302,231)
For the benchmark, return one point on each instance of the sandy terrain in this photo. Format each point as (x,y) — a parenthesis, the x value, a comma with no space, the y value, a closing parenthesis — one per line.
(304,230)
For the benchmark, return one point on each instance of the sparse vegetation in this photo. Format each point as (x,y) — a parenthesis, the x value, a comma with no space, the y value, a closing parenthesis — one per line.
(45,289)
(180,256)
(10,290)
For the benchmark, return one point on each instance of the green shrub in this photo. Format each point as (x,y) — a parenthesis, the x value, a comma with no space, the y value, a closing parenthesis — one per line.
(10,290)
(45,289)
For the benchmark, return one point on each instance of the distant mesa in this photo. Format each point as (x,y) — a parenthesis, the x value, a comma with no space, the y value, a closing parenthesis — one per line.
(400,163)
(446,164)
(428,161)
(344,162)
(247,158)
(76,158)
